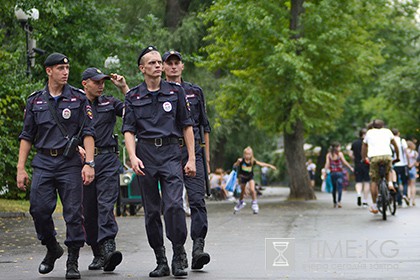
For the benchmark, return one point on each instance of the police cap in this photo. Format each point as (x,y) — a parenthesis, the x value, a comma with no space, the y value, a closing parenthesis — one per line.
(94,74)
(145,51)
(171,53)
(56,58)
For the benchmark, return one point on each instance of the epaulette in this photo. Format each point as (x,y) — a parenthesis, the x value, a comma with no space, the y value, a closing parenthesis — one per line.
(35,92)
(132,89)
(78,90)
(174,83)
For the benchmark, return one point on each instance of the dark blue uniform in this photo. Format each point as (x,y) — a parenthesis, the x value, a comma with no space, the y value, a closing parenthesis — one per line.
(196,185)
(157,119)
(101,195)
(52,172)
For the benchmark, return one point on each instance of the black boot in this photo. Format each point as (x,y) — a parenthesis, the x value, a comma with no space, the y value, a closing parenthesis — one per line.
(98,260)
(55,251)
(112,258)
(162,268)
(178,261)
(199,258)
(72,263)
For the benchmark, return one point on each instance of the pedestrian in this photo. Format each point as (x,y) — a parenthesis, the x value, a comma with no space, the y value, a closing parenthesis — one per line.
(334,163)
(377,147)
(173,67)
(245,166)
(100,196)
(361,170)
(412,173)
(54,118)
(264,176)
(156,113)
(401,167)
(311,167)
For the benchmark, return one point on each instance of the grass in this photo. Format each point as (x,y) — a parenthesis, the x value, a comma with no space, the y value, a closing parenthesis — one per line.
(7,205)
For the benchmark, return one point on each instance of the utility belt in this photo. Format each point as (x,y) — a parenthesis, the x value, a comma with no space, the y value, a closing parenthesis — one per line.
(106,150)
(158,142)
(52,152)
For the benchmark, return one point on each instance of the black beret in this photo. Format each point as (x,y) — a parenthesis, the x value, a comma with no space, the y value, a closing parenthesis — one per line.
(145,51)
(56,58)
(94,74)
(171,53)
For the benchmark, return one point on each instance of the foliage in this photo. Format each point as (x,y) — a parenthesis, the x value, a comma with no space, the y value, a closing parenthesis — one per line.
(291,79)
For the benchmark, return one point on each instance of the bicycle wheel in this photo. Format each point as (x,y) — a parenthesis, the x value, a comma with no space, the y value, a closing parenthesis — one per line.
(392,204)
(383,201)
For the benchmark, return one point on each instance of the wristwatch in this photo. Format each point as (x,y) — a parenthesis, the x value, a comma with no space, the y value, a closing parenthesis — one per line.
(90,163)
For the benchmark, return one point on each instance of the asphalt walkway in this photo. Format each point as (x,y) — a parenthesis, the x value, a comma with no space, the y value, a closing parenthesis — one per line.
(286,240)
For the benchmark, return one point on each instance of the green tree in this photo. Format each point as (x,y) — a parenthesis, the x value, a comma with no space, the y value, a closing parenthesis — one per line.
(292,64)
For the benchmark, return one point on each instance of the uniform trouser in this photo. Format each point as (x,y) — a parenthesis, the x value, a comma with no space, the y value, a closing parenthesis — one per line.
(196,190)
(162,164)
(99,199)
(52,175)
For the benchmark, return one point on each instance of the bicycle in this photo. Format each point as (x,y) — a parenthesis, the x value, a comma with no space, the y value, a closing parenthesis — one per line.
(386,197)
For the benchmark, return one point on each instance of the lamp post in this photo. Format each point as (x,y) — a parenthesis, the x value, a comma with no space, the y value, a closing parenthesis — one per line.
(31,49)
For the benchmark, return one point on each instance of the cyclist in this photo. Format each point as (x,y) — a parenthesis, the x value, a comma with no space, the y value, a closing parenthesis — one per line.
(376,149)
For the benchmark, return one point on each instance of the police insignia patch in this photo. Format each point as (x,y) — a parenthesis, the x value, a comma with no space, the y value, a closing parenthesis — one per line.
(66,113)
(89,112)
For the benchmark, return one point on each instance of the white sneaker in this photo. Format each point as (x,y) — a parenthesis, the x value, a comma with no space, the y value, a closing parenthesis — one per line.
(239,206)
(255,208)
(231,199)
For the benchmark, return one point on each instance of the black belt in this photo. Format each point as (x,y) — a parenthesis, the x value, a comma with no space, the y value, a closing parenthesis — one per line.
(52,152)
(162,141)
(106,150)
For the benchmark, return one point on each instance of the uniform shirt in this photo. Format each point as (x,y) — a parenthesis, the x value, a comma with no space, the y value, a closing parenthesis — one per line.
(106,109)
(378,141)
(39,126)
(196,100)
(156,115)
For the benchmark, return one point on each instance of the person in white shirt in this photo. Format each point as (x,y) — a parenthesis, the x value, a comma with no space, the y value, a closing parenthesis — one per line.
(401,167)
(376,150)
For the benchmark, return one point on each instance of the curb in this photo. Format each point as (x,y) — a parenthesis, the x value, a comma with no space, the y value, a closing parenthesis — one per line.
(13,214)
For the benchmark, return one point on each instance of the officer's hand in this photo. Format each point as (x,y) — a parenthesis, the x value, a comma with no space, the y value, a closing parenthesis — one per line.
(82,153)
(137,166)
(22,179)
(118,80)
(88,174)
(189,169)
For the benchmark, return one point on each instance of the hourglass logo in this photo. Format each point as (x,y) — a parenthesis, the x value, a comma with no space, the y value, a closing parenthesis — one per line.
(279,253)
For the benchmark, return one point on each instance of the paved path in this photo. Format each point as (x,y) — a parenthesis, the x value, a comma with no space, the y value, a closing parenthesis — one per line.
(322,243)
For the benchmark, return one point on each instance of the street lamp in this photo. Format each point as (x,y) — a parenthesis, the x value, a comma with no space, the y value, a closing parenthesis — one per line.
(31,49)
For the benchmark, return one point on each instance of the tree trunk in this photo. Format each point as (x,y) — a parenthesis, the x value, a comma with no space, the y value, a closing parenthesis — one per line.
(295,160)
(175,11)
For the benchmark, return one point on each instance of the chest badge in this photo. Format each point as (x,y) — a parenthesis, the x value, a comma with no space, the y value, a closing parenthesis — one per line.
(66,114)
(167,106)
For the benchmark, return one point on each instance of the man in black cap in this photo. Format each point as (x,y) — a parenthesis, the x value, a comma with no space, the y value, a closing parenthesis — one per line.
(54,118)
(101,195)
(156,113)
(173,67)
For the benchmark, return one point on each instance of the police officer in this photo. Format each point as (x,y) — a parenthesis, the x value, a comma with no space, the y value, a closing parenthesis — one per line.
(173,67)
(48,113)
(101,195)
(156,113)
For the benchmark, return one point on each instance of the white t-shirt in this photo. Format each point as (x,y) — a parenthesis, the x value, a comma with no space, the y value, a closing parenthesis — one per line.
(402,147)
(378,141)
